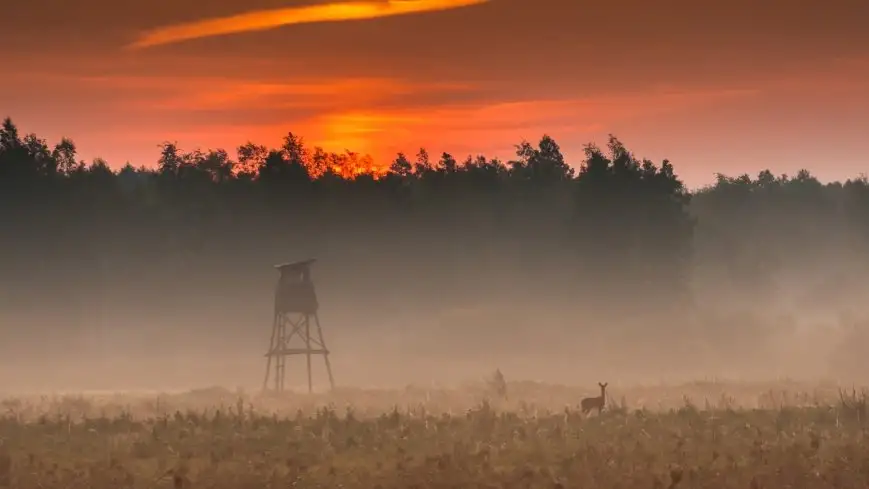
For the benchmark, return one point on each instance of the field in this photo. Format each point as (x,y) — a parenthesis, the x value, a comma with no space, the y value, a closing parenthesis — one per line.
(705,434)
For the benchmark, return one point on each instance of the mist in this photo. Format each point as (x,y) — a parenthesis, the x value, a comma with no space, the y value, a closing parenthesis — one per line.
(164,279)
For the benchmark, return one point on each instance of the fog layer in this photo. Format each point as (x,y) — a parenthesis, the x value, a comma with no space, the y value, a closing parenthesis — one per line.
(436,272)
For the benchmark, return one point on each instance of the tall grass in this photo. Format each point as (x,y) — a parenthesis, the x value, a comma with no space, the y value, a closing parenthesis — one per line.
(231,440)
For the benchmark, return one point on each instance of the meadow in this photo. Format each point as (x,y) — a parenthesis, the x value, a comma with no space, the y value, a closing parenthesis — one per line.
(703,434)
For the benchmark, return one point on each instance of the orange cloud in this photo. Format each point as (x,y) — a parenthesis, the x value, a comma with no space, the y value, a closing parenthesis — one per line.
(269,19)
(375,115)
(482,126)
(492,127)
(272,96)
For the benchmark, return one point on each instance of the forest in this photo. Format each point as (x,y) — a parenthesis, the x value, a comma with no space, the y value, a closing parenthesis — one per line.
(611,243)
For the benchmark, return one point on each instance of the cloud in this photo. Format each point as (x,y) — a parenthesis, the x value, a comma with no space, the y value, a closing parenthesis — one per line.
(267,98)
(492,127)
(264,95)
(269,19)
(484,125)
(369,114)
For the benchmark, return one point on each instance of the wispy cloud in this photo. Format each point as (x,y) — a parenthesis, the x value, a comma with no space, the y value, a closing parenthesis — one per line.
(269,19)
(370,114)
(493,127)
(386,95)
(215,94)
(485,125)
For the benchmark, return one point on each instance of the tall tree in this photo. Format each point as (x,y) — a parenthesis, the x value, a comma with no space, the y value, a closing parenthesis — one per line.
(64,154)
(423,164)
(251,158)
(170,160)
(401,166)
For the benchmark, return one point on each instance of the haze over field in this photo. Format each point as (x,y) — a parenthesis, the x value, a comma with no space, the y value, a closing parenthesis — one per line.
(437,272)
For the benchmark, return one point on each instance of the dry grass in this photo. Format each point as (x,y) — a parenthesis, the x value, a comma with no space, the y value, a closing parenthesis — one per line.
(692,436)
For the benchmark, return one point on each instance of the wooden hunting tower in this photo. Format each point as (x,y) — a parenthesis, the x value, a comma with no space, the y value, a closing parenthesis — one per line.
(295,308)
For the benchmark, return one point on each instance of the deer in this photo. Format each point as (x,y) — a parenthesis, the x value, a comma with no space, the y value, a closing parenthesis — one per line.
(598,403)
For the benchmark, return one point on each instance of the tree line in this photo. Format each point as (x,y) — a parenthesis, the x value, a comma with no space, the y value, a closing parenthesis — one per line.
(609,233)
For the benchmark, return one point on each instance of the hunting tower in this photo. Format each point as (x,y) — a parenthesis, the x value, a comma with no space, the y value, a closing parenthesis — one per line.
(295,309)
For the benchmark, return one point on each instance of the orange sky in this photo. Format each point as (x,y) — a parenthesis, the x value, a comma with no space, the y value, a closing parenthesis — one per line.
(720,85)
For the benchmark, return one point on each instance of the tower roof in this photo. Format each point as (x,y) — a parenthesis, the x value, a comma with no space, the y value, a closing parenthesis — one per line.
(296,267)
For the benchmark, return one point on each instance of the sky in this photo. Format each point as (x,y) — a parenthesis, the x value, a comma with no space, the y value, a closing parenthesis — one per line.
(714,86)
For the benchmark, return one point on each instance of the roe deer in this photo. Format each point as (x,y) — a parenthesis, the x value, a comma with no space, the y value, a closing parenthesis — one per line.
(598,403)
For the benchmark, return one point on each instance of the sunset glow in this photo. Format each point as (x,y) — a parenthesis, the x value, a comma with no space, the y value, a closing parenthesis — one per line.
(270,19)
(700,85)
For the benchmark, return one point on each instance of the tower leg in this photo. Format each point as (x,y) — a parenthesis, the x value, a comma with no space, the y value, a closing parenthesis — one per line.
(271,349)
(279,349)
(308,352)
(281,359)
(325,351)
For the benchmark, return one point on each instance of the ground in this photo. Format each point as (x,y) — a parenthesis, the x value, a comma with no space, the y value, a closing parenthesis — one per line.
(705,434)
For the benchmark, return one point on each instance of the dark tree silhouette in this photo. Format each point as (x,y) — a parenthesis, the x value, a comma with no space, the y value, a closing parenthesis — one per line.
(612,233)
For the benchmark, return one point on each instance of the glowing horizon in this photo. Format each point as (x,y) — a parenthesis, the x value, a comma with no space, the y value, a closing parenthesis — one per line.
(259,20)
(712,93)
